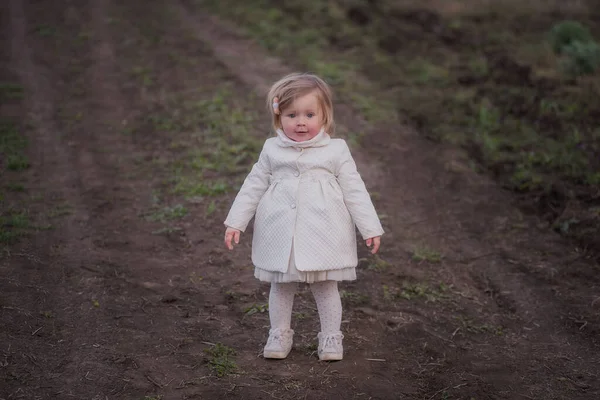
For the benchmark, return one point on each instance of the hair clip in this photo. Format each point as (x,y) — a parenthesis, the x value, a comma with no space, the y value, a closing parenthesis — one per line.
(276,105)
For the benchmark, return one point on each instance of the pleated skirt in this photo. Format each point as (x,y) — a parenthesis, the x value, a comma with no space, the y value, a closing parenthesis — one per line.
(293,275)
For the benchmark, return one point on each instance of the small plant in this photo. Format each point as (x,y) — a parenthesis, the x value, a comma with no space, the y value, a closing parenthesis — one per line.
(15,187)
(168,213)
(195,278)
(581,58)
(300,315)
(13,225)
(566,33)
(472,327)
(256,308)
(17,162)
(426,254)
(11,91)
(412,291)
(420,290)
(167,230)
(190,188)
(12,145)
(581,53)
(220,359)
(310,348)
(45,30)
(387,293)
(211,208)
(60,210)
(376,263)
(143,74)
(354,298)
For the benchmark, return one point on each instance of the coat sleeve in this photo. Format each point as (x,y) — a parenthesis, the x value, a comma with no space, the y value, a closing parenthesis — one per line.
(254,187)
(356,197)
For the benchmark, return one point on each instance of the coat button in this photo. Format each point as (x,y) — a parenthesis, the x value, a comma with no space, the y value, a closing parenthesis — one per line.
(296,174)
(293,206)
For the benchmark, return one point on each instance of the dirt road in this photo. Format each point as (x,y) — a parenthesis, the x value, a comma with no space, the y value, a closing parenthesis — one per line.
(142,118)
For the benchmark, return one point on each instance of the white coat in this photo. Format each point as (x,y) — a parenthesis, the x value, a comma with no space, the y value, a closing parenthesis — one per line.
(309,194)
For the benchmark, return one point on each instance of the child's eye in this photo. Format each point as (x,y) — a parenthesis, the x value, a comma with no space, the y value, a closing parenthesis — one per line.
(292,115)
(310,115)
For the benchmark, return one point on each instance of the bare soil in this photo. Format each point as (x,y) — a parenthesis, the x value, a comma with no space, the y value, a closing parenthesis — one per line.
(112,303)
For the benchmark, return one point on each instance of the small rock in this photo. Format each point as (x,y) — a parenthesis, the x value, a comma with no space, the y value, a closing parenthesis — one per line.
(169,298)
(367,311)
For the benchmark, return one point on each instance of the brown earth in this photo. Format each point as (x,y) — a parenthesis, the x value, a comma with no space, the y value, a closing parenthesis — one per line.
(113,305)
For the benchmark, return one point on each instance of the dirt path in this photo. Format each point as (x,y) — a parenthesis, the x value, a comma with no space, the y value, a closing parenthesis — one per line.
(123,301)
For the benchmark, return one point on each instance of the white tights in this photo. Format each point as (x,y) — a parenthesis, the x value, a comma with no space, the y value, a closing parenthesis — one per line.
(329,304)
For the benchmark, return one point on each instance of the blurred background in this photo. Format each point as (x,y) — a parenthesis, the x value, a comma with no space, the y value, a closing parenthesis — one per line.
(515,83)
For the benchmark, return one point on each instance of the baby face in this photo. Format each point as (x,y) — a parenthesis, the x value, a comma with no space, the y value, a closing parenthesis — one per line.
(303,119)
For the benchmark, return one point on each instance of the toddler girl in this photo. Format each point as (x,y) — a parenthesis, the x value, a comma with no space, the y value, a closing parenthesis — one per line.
(306,196)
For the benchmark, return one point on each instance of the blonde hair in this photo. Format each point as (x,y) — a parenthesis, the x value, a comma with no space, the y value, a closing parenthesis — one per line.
(295,85)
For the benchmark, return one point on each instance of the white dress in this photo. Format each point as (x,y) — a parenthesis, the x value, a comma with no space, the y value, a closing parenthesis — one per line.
(293,275)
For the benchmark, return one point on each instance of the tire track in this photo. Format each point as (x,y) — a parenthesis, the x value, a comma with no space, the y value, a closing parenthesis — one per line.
(77,172)
(57,165)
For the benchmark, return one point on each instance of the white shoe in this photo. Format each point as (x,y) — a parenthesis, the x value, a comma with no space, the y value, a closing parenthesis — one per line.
(279,343)
(330,346)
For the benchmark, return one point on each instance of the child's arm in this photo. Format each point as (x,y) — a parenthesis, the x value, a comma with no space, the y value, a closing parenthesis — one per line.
(358,201)
(246,201)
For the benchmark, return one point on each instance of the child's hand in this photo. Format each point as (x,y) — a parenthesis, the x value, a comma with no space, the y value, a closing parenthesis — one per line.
(231,235)
(375,242)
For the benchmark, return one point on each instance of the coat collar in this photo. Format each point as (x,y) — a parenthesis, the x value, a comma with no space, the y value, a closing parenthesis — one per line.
(322,139)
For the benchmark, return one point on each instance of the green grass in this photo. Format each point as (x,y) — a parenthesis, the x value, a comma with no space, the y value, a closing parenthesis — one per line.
(45,30)
(354,298)
(213,143)
(168,213)
(9,91)
(309,33)
(423,253)
(256,308)
(143,75)
(12,147)
(190,187)
(210,209)
(504,99)
(375,263)
(220,359)
(13,224)
(167,230)
(470,326)
(15,187)
(414,291)
(60,210)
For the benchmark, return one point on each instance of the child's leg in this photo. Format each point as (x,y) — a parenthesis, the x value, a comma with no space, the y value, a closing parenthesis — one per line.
(281,301)
(329,305)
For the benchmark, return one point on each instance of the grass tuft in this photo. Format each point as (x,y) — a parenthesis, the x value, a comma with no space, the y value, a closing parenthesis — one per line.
(354,298)
(423,253)
(168,213)
(13,224)
(9,91)
(256,308)
(12,147)
(412,291)
(220,360)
